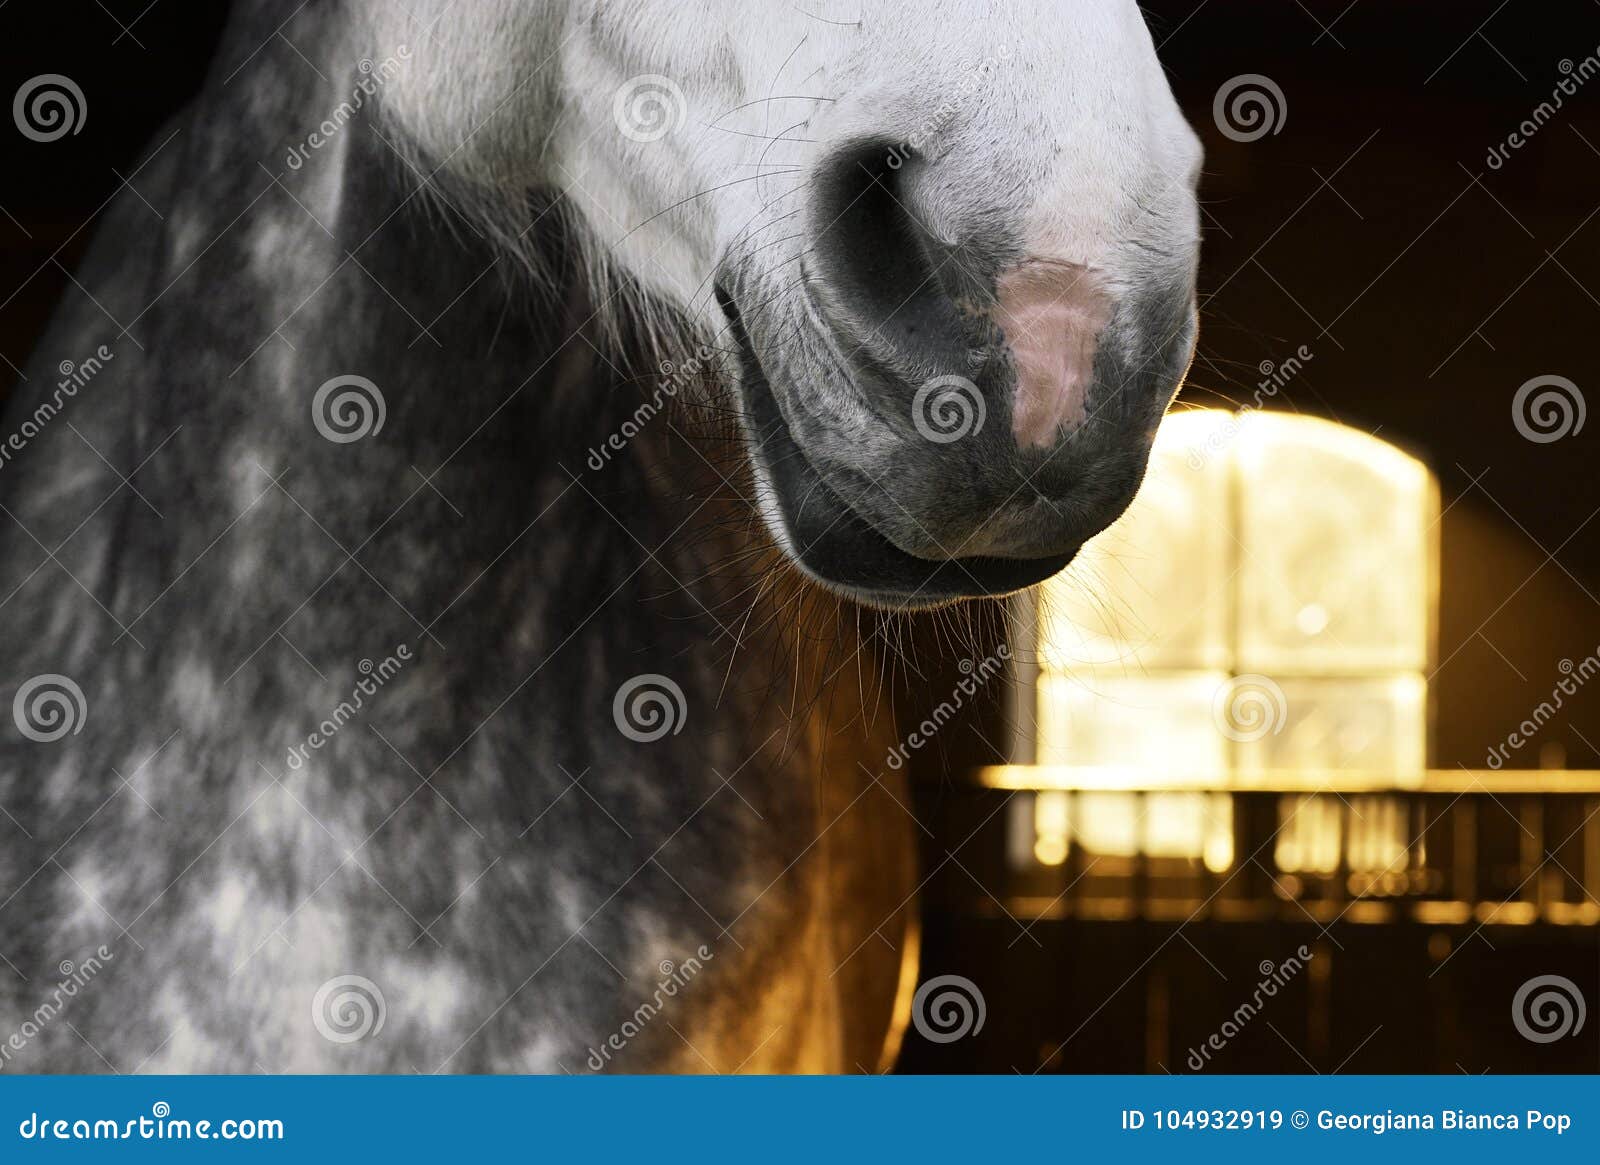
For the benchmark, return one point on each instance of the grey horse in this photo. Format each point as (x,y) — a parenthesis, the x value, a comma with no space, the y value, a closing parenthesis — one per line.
(448,531)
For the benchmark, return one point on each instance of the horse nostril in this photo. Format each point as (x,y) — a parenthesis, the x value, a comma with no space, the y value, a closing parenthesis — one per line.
(875,267)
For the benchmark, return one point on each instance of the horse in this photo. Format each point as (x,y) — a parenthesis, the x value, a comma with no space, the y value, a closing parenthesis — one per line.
(453,530)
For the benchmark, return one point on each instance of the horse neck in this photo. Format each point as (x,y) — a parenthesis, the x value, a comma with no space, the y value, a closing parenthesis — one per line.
(502,403)
(302,246)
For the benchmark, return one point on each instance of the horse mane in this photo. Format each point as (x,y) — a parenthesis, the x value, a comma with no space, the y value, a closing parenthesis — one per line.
(478,137)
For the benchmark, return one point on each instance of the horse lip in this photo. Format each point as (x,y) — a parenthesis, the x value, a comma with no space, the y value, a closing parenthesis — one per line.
(773,426)
(848,553)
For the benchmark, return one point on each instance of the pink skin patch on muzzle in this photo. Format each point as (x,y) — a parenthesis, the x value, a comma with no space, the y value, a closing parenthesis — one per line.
(1052,314)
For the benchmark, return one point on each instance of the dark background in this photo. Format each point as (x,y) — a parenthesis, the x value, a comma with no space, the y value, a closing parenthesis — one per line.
(1369,229)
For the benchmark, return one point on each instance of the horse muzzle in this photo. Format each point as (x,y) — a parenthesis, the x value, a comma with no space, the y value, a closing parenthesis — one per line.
(936,417)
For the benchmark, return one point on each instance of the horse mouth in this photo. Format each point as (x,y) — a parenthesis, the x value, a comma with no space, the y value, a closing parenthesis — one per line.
(830,540)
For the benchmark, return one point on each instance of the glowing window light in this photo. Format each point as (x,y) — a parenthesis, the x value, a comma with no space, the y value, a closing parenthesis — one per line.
(1340,572)
(1268,557)
(1052,828)
(1171,825)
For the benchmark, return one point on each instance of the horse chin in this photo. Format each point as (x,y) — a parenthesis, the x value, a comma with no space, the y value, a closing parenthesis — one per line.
(832,543)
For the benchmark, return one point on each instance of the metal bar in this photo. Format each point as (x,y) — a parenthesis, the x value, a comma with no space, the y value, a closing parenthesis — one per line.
(1107,778)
